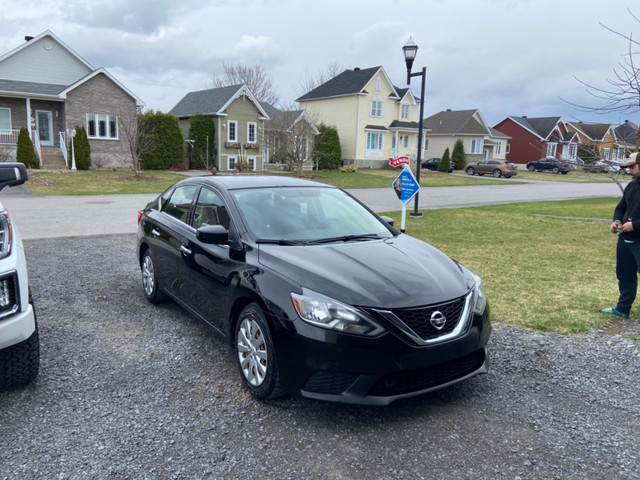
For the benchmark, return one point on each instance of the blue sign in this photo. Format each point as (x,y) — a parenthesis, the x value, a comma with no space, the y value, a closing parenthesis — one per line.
(405,186)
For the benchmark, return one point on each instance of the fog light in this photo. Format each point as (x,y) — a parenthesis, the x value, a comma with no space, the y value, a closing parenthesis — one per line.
(5,293)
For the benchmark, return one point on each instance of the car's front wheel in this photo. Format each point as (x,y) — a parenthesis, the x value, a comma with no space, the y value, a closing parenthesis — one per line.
(471,171)
(497,173)
(150,281)
(255,352)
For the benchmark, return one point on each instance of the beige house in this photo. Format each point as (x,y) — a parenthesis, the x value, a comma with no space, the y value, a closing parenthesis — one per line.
(374,119)
(480,141)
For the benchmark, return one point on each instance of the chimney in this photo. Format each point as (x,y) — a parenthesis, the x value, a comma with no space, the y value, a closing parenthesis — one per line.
(356,69)
(524,116)
(448,109)
(28,38)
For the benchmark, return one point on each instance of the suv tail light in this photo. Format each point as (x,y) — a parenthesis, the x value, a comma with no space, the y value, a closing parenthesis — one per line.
(140,213)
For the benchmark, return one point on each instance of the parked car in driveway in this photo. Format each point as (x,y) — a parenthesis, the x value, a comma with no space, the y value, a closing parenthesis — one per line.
(597,167)
(315,293)
(551,164)
(19,338)
(434,163)
(497,168)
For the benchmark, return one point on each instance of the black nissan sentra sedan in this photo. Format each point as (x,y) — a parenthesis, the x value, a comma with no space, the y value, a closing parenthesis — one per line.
(315,293)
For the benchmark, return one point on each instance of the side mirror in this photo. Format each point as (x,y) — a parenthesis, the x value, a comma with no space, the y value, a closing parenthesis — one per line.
(388,220)
(12,174)
(213,234)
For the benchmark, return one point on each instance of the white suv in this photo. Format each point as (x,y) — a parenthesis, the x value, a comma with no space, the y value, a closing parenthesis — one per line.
(19,343)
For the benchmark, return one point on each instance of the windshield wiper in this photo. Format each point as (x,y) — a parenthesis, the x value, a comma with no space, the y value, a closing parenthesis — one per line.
(346,238)
(280,241)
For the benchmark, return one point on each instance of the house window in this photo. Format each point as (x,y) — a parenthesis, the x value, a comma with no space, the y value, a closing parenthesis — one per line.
(606,152)
(425,143)
(251,132)
(231,163)
(5,120)
(476,145)
(405,141)
(508,149)
(377,84)
(232,131)
(376,108)
(251,161)
(551,149)
(374,144)
(102,126)
(499,148)
(404,115)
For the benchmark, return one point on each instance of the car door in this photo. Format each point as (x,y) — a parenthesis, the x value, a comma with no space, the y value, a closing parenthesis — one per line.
(205,270)
(483,167)
(165,231)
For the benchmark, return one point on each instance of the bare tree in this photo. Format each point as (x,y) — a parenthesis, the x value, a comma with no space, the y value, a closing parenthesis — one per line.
(255,77)
(622,94)
(312,80)
(290,136)
(138,134)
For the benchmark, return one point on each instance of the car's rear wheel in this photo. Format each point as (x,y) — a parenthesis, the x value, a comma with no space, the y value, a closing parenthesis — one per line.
(150,281)
(564,173)
(20,363)
(255,352)
(507,176)
(531,168)
(497,173)
(556,170)
(471,171)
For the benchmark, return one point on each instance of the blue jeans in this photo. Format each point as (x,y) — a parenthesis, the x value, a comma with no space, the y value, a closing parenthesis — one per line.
(627,267)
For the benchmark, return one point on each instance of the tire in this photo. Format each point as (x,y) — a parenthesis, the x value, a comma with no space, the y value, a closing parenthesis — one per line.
(556,170)
(20,363)
(564,173)
(531,168)
(471,171)
(150,281)
(255,354)
(497,173)
(507,176)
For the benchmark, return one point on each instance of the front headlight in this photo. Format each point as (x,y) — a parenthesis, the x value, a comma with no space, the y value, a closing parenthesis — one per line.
(6,234)
(325,312)
(479,297)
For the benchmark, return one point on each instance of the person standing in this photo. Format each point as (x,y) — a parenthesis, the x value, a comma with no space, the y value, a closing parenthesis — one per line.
(626,223)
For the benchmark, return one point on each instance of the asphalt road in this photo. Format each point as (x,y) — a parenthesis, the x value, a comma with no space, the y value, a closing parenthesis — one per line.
(65,216)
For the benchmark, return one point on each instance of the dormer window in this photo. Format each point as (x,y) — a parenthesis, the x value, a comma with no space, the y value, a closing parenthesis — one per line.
(404,114)
(376,108)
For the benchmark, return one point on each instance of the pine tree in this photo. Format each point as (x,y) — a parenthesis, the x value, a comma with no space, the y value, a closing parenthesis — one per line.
(458,157)
(25,152)
(445,163)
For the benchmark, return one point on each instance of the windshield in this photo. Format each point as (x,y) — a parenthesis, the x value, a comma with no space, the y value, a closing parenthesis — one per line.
(306,214)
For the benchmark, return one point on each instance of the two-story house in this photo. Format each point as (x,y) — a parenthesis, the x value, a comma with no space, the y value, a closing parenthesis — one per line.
(535,138)
(600,134)
(238,120)
(48,88)
(374,119)
(481,142)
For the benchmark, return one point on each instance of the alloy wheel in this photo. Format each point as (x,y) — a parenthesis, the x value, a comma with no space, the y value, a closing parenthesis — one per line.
(252,351)
(148,276)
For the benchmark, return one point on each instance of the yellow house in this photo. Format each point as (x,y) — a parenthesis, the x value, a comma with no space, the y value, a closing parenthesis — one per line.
(375,120)
(600,134)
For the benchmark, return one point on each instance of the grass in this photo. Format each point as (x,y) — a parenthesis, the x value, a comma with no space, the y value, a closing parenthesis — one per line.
(540,273)
(92,182)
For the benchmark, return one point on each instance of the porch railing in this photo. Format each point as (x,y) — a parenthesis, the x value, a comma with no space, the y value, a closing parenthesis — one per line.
(63,148)
(9,137)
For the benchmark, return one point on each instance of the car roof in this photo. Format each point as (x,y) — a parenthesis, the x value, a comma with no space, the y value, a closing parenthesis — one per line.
(233,182)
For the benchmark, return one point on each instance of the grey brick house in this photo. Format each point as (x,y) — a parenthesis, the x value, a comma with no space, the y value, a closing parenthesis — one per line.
(48,88)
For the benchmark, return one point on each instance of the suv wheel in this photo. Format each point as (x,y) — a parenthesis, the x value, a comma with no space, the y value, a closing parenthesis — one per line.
(497,173)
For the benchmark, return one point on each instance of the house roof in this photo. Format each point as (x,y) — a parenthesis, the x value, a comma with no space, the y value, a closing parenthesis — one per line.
(349,82)
(594,131)
(400,125)
(287,118)
(496,134)
(540,126)
(213,101)
(627,132)
(16,88)
(456,122)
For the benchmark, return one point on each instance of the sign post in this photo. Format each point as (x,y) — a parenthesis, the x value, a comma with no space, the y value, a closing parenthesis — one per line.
(405,185)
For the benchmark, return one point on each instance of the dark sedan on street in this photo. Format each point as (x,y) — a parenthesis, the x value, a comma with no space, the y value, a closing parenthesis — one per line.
(551,164)
(315,293)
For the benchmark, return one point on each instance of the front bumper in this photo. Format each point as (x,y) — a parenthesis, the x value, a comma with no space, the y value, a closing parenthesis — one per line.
(17,327)
(347,369)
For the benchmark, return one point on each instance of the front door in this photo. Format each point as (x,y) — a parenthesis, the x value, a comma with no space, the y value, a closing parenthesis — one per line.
(44,125)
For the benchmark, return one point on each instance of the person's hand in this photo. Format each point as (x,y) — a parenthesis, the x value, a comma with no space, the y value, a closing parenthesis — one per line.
(627,227)
(615,227)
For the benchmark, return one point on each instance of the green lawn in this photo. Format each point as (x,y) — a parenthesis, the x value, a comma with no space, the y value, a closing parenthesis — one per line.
(541,273)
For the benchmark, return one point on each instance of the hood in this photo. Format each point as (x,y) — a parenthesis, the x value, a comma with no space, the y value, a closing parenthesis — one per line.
(392,273)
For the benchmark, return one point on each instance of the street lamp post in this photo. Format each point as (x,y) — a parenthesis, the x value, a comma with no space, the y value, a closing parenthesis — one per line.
(410,50)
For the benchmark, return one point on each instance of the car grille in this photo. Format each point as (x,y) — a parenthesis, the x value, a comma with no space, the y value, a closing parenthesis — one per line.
(416,380)
(329,382)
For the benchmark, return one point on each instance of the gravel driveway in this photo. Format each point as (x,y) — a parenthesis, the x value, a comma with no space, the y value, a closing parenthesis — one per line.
(131,390)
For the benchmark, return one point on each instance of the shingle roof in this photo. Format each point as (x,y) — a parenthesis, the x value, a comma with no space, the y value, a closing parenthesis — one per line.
(595,131)
(543,126)
(349,82)
(404,125)
(455,122)
(207,102)
(14,86)
(627,132)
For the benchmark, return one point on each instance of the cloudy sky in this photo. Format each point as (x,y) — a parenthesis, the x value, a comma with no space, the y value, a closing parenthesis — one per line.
(503,57)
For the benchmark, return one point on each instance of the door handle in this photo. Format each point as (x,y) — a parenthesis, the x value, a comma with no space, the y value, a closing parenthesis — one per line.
(155,232)
(185,250)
